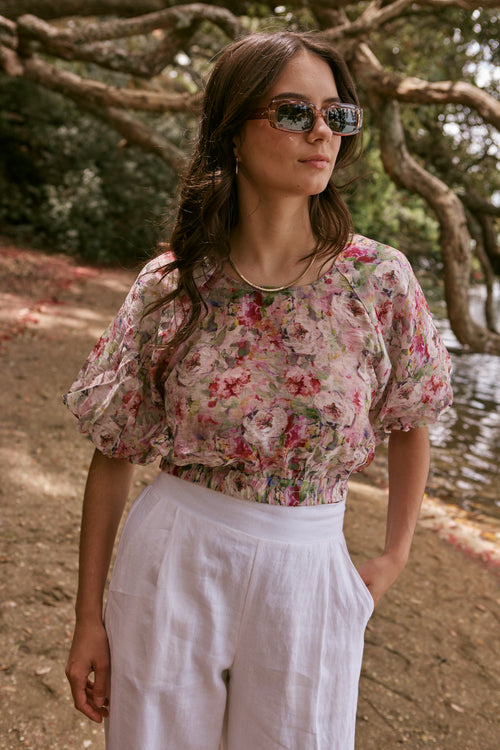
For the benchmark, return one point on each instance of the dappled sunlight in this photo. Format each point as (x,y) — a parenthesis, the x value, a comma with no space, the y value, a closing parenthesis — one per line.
(72,317)
(47,316)
(21,471)
(20,312)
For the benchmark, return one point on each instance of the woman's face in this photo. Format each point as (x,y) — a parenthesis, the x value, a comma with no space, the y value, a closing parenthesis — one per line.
(274,163)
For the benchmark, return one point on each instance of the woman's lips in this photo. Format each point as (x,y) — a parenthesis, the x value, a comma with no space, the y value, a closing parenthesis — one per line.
(318,162)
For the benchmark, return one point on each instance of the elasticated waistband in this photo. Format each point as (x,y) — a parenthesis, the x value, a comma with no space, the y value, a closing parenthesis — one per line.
(281,523)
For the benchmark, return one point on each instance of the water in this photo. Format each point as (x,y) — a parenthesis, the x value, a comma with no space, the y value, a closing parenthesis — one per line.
(466,440)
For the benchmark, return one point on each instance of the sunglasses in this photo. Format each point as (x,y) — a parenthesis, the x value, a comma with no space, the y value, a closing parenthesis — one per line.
(296,116)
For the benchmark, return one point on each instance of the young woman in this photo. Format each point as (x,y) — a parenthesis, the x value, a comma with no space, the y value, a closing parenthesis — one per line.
(262,358)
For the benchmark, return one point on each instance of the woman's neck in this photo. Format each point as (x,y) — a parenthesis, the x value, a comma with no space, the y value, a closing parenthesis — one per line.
(270,242)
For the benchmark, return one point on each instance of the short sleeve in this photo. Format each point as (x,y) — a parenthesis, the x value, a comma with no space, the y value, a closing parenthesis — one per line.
(418,389)
(116,397)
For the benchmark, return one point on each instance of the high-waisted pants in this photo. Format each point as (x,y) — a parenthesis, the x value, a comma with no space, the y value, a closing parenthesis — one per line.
(235,622)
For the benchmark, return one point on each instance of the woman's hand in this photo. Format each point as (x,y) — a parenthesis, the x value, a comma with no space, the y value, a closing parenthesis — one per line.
(408,469)
(380,573)
(89,655)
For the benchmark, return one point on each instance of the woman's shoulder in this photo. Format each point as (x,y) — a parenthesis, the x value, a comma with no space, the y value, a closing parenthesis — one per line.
(368,263)
(158,266)
(156,278)
(363,252)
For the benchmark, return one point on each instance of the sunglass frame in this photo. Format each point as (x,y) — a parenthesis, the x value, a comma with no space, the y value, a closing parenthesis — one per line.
(270,113)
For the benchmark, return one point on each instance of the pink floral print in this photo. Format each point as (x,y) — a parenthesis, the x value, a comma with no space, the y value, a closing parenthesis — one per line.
(278,397)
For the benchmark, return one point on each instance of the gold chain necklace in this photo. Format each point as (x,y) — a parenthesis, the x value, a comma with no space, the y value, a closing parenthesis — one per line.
(270,288)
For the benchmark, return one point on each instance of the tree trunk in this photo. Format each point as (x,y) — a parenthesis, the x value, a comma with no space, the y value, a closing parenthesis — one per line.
(455,239)
(488,274)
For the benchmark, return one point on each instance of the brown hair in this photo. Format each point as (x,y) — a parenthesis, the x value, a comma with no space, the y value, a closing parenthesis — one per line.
(208,210)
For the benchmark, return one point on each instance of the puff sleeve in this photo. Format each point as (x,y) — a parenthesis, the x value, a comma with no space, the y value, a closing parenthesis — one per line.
(418,387)
(116,397)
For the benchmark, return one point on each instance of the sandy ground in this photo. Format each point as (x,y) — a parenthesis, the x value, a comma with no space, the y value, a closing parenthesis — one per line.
(432,662)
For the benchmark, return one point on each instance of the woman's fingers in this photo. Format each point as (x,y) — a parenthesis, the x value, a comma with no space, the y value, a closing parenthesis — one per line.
(98,689)
(78,682)
(379,575)
(88,673)
(97,697)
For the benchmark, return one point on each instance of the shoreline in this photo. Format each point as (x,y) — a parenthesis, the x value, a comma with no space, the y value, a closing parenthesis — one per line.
(477,536)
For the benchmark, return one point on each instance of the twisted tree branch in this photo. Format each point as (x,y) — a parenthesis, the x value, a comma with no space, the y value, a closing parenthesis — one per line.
(49,9)
(177,17)
(372,18)
(90,42)
(476,231)
(415,90)
(64,8)
(100,94)
(129,127)
(477,204)
(455,238)
(139,134)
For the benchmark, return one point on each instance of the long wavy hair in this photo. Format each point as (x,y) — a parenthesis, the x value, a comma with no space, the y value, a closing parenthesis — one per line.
(208,208)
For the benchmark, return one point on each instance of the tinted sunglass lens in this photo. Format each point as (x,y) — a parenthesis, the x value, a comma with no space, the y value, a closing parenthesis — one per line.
(342,120)
(294,117)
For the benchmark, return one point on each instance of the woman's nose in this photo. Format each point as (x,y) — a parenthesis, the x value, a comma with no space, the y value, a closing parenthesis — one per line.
(320,128)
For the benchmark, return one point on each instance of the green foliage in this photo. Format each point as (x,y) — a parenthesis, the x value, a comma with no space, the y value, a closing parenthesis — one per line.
(382,211)
(67,183)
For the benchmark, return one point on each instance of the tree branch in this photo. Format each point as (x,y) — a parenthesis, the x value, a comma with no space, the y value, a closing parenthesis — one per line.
(477,232)
(90,42)
(415,90)
(101,94)
(49,9)
(463,4)
(372,18)
(9,62)
(128,126)
(8,32)
(139,134)
(108,55)
(64,8)
(178,17)
(477,204)
(455,237)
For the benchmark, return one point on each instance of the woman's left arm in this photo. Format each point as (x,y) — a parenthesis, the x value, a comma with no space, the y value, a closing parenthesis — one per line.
(408,471)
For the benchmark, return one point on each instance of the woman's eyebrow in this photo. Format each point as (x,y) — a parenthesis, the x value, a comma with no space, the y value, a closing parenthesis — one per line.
(303,97)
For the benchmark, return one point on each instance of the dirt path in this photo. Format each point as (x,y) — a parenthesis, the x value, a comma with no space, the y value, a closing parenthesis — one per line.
(432,661)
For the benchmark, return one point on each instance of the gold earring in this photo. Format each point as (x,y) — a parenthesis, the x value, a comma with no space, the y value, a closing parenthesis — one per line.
(237,167)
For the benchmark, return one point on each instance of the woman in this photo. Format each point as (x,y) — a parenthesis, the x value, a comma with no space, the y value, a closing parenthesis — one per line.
(262,358)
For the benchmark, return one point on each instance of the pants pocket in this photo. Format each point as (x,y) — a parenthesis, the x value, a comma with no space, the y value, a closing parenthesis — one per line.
(142,545)
(357,581)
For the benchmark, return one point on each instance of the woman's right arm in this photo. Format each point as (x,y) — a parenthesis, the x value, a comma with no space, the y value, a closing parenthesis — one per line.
(106,492)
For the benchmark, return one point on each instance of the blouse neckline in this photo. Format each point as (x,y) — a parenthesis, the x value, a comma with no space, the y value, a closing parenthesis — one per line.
(238,283)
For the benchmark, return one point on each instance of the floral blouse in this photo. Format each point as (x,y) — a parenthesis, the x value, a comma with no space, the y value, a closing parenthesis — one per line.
(279,396)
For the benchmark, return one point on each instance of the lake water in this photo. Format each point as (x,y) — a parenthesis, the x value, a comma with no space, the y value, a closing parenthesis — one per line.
(466,440)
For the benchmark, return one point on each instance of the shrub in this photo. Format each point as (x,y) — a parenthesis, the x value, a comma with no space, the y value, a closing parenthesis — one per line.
(67,183)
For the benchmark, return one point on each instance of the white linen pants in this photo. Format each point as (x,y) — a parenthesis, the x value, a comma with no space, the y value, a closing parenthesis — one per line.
(235,621)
